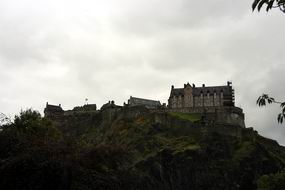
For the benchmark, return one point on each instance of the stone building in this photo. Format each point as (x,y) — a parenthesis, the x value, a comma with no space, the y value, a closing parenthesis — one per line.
(151,104)
(110,104)
(199,97)
(86,107)
(53,112)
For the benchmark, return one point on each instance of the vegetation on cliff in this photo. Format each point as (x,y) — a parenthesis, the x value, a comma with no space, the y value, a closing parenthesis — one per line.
(135,149)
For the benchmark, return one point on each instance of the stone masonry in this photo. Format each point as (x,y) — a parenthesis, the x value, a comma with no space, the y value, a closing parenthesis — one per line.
(197,97)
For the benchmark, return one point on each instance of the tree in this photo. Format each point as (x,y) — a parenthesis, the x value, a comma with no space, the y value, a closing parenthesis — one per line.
(4,120)
(265,98)
(31,154)
(272,181)
(258,4)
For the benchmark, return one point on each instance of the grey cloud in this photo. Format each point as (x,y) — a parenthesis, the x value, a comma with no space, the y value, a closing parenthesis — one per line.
(64,51)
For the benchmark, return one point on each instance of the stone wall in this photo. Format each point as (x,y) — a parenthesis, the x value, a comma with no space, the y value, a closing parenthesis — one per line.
(53,112)
(217,115)
(87,107)
(197,101)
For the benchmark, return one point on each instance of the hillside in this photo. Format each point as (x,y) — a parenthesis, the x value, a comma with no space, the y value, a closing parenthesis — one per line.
(135,148)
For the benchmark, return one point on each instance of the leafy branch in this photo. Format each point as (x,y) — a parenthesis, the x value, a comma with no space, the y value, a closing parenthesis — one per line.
(258,4)
(265,98)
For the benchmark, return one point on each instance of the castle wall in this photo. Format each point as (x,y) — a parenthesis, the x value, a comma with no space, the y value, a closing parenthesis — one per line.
(201,96)
(187,98)
(208,100)
(209,109)
(199,101)
(217,100)
(204,100)
(174,102)
(179,102)
(222,115)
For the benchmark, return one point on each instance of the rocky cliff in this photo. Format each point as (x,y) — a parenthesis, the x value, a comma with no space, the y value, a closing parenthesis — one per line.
(134,148)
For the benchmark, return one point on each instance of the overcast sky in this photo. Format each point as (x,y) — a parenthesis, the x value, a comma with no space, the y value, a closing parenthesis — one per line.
(63,51)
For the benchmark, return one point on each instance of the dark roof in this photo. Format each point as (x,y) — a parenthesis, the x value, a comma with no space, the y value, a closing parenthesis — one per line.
(142,101)
(177,92)
(227,90)
(110,104)
(50,107)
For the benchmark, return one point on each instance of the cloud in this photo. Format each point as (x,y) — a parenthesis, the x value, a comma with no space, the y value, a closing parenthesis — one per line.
(65,51)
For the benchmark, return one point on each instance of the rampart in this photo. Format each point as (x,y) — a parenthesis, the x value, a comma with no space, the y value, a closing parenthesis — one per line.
(216,115)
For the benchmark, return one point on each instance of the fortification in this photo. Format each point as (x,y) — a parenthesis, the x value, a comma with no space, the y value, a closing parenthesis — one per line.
(86,107)
(214,104)
(53,112)
(201,97)
(56,113)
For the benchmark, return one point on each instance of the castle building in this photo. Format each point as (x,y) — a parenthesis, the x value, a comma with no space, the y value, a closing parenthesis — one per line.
(213,104)
(201,97)
(108,105)
(151,104)
(53,111)
(86,107)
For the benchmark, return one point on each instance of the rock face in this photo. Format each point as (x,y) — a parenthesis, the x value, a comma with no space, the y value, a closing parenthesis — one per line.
(166,151)
(135,148)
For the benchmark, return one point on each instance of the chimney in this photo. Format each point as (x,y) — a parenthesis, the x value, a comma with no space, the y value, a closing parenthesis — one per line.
(203,85)
(172,86)
(193,85)
(184,85)
(59,105)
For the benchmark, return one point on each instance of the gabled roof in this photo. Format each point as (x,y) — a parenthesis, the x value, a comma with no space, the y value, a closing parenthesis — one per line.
(141,101)
(227,90)
(177,92)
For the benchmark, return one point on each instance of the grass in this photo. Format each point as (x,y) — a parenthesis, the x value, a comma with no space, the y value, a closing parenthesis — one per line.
(186,116)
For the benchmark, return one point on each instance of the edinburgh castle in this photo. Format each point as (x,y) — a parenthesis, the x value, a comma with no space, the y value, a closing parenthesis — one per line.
(215,104)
